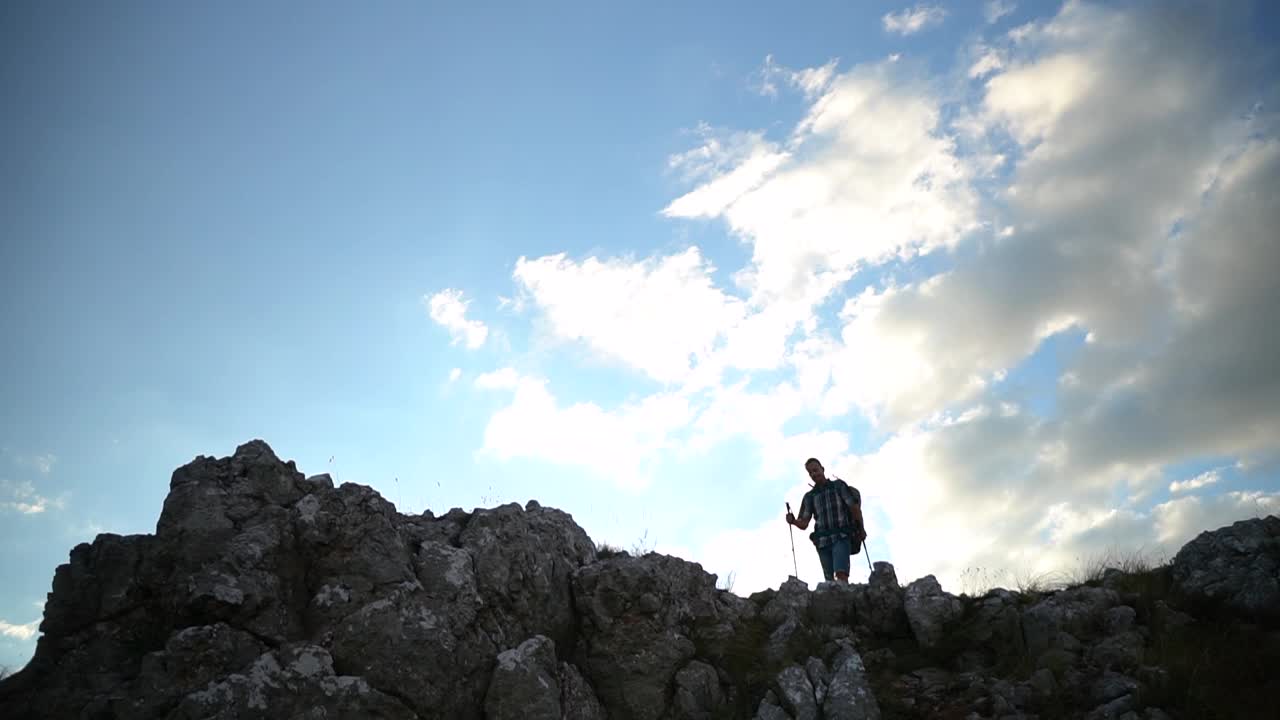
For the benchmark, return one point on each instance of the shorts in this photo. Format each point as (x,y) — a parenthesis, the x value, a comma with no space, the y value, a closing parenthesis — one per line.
(835,557)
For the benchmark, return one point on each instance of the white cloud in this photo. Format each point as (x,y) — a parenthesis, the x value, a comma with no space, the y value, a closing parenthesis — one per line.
(913,20)
(613,444)
(661,315)
(1202,480)
(809,81)
(1179,521)
(454,374)
(1095,198)
(504,379)
(769,73)
(769,549)
(988,62)
(993,10)
(44,463)
(23,498)
(1005,494)
(864,178)
(448,309)
(761,158)
(1168,335)
(19,632)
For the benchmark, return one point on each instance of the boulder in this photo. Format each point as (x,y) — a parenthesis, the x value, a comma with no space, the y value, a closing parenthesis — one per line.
(930,610)
(1235,567)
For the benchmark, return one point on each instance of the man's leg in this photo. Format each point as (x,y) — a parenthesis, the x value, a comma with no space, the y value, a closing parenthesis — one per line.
(840,559)
(824,557)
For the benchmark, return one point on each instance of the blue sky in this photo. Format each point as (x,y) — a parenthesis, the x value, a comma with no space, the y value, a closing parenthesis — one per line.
(1003,266)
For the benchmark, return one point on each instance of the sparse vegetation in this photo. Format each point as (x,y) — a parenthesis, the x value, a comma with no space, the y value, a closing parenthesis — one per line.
(1134,562)
(977,581)
(727,583)
(604,551)
(642,546)
(1029,582)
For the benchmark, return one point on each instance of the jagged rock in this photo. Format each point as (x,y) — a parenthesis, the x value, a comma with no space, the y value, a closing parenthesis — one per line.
(783,641)
(791,601)
(1113,685)
(1237,567)
(849,694)
(996,625)
(1114,709)
(192,658)
(929,610)
(525,683)
(1166,617)
(634,648)
(267,594)
(880,605)
(1075,611)
(933,682)
(769,709)
(796,693)
(296,681)
(819,678)
(698,695)
(1119,619)
(577,700)
(832,604)
(510,547)
(1123,651)
(1043,683)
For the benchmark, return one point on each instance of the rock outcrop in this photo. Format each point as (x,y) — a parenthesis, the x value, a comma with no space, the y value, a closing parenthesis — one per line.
(266,594)
(1237,567)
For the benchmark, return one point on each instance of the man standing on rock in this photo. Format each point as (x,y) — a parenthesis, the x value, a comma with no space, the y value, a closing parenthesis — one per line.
(839,531)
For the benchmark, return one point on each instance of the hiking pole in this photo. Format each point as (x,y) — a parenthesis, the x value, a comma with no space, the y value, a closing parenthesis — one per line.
(793,544)
(867,554)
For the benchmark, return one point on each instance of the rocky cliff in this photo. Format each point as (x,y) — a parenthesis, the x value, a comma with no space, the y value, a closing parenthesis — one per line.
(266,594)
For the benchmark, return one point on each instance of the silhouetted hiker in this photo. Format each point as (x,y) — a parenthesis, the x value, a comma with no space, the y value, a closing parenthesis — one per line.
(839,531)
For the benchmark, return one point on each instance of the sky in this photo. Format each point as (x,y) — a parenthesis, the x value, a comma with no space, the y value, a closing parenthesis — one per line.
(1006,267)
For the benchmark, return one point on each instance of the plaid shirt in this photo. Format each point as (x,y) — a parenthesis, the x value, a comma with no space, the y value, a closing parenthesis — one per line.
(830,504)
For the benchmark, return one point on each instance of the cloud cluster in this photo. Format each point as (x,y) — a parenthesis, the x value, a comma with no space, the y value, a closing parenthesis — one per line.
(19,632)
(22,498)
(612,443)
(913,20)
(448,309)
(993,10)
(1108,182)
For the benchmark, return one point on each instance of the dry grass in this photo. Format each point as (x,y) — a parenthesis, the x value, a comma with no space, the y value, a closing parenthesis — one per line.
(1128,562)
(604,551)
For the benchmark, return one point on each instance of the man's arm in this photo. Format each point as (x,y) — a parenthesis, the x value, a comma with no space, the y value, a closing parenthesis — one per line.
(856,511)
(806,513)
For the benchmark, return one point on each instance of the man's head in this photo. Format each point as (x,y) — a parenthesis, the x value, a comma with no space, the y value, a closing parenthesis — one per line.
(814,468)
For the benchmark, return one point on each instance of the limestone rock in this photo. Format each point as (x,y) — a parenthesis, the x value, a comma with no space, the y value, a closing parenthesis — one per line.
(1237,567)
(880,604)
(796,693)
(698,695)
(578,700)
(296,681)
(849,695)
(929,610)
(525,683)
(267,594)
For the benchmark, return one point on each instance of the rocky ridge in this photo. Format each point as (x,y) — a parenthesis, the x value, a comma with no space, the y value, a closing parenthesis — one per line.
(267,594)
